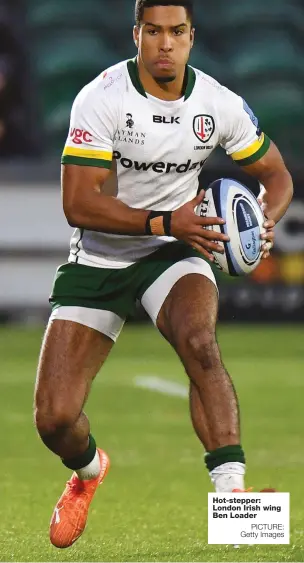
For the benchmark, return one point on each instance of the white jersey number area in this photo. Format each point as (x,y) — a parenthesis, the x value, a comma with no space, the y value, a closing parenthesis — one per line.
(159,147)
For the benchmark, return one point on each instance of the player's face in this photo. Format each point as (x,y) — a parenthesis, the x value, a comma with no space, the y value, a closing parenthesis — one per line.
(164,41)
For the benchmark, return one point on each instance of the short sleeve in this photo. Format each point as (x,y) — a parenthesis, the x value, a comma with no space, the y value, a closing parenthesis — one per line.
(241,135)
(91,135)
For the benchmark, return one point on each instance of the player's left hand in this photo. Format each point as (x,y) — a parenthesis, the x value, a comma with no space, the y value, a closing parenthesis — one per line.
(268,238)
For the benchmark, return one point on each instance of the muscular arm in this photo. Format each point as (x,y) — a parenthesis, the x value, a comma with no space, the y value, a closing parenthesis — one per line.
(271,171)
(87,206)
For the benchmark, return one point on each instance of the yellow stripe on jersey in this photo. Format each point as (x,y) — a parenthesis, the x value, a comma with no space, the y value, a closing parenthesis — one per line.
(87,153)
(252,154)
(250,150)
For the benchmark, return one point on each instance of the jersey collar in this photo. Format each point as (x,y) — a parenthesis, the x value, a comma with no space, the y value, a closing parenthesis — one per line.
(190,79)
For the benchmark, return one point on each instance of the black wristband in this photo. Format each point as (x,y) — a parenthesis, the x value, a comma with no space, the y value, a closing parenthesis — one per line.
(159,223)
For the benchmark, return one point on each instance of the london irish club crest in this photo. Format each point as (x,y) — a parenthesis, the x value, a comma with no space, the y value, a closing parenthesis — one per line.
(203,127)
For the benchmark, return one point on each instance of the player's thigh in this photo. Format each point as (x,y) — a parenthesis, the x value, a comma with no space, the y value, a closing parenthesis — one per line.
(188,287)
(189,313)
(71,356)
(183,303)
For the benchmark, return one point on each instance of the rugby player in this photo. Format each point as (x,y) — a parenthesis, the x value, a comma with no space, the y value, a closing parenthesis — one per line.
(139,136)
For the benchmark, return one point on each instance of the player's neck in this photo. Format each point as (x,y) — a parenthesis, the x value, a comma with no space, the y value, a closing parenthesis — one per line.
(169,91)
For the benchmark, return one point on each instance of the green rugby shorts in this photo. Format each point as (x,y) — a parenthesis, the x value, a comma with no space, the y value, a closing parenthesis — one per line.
(103,298)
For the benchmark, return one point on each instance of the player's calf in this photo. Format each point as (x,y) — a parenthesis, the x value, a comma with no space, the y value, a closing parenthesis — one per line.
(187,319)
(64,432)
(214,410)
(71,356)
(201,358)
(198,344)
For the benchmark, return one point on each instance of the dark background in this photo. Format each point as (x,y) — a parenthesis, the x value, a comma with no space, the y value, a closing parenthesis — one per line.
(49,49)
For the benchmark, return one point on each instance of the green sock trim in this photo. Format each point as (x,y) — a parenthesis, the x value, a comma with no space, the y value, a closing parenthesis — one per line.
(227,454)
(84,459)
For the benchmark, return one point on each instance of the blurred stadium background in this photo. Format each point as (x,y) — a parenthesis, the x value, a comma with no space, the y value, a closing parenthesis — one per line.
(48,50)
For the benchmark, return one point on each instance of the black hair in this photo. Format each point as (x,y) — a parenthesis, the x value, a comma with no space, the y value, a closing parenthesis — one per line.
(142,4)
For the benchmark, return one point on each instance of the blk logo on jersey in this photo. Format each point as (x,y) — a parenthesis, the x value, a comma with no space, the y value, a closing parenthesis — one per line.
(80,136)
(203,127)
(166,120)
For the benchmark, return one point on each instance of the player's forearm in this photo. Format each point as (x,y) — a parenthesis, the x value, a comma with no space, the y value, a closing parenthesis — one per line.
(106,214)
(278,194)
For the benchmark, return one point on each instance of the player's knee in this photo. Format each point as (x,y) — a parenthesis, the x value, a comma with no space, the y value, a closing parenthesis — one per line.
(202,347)
(52,421)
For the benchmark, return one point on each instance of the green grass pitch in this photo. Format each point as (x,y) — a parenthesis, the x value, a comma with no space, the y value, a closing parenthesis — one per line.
(153,504)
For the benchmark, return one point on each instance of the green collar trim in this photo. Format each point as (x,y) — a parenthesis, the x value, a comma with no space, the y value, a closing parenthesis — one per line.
(190,79)
(134,75)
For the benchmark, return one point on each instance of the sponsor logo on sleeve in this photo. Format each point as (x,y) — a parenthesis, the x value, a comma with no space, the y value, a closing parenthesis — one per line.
(79,136)
(111,80)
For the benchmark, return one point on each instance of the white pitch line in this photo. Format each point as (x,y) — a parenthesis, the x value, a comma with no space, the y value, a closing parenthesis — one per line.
(164,386)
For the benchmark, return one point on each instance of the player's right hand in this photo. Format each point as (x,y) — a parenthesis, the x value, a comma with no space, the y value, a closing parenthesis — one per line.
(189,227)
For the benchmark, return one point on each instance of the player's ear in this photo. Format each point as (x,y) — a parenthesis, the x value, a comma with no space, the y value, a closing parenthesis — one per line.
(192,36)
(136,35)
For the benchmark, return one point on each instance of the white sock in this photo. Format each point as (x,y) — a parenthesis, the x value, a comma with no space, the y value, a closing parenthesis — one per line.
(91,471)
(228,476)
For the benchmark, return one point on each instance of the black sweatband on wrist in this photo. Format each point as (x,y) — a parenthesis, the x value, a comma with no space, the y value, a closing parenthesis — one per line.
(159,223)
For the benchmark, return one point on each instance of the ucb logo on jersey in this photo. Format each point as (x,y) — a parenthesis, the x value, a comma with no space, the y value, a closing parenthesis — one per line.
(166,120)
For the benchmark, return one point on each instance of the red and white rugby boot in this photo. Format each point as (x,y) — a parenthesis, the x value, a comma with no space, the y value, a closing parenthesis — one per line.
(243,490)
(250,490)
(71,511)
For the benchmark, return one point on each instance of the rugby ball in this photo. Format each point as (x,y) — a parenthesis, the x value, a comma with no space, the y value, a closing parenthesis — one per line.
(237,205)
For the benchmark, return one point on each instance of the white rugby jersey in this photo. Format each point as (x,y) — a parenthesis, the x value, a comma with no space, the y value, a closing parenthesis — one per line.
(159,146)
